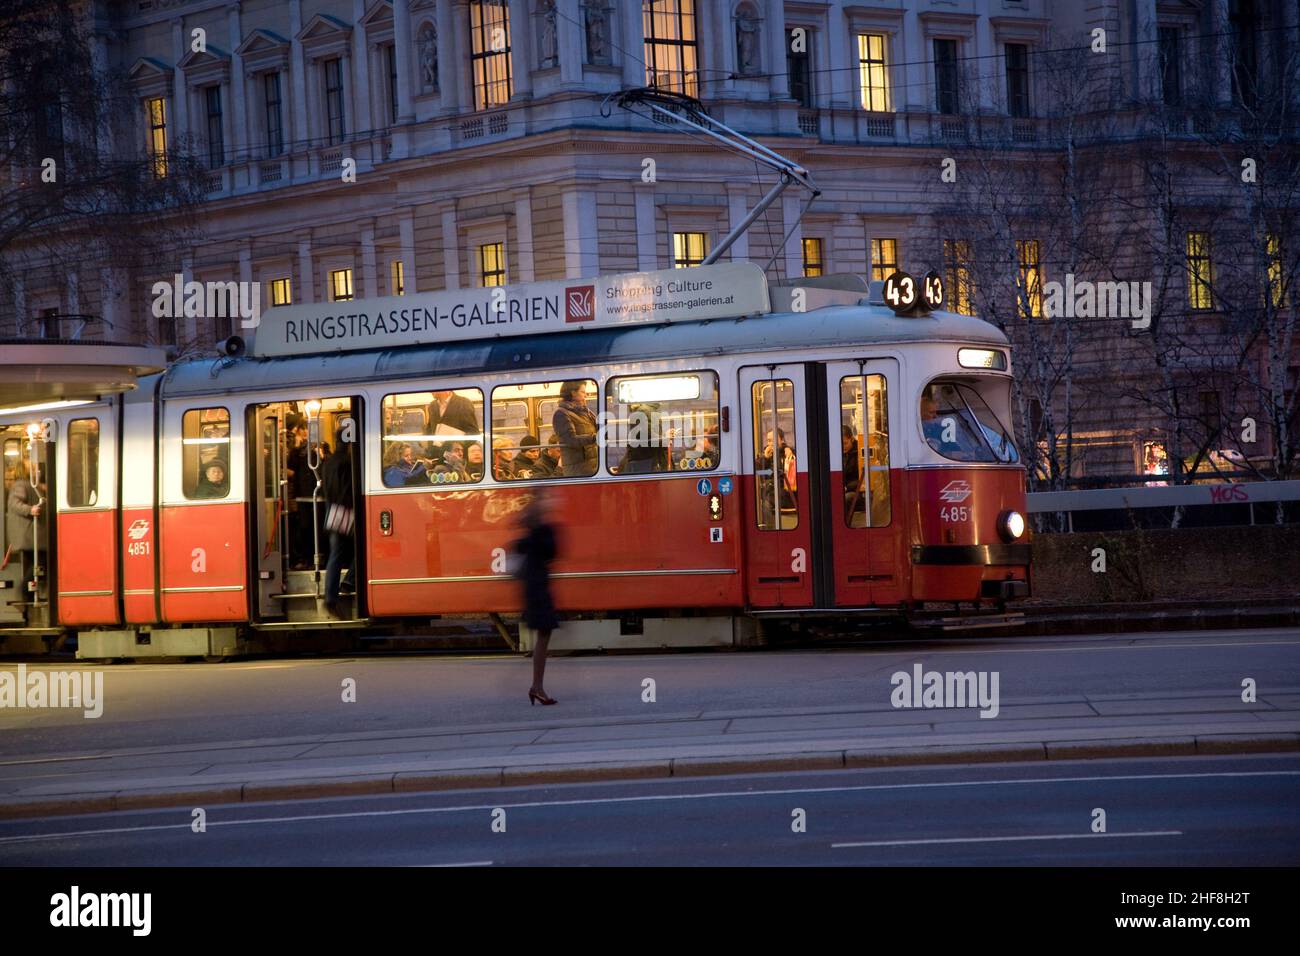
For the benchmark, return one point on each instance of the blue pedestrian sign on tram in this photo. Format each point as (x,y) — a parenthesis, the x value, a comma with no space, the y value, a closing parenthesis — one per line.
(724,485)
(704,487)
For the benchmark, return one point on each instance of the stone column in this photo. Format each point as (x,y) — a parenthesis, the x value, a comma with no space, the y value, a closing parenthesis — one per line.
(524,237)
(402,40)
(306,272)
(774,24)
(737,206)
(523,40)
(914,52)
(453,52)
(298,106)
(238,101)
(180,87)
(359,80)
(647,228)
(369,268)
(581,248)
(632,40)
(450,247)
(569,27)
(790,209)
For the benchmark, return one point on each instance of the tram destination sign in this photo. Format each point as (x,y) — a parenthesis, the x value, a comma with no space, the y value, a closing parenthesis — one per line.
(724,290)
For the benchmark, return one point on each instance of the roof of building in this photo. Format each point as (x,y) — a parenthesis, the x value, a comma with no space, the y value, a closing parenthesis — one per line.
(857,325)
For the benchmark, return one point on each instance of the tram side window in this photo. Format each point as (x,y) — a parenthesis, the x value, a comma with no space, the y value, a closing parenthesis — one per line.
(83,462)
(545,430)
(661,423)
(864,440)
(776,469)
(205,453)
(433,438)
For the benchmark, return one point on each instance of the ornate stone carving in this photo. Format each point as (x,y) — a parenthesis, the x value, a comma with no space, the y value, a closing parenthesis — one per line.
(595,16)
(747,40)
(427,43)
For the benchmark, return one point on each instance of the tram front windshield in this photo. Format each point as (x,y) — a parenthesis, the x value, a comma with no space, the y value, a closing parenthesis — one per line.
(959,421)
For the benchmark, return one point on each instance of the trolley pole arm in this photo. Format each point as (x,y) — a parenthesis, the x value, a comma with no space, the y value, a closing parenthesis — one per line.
(739,229)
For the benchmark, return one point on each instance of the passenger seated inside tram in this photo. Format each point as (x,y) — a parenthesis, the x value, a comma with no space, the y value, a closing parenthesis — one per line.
(503,467)
(214,482)
(549,462)
(453,458)
(403,468)
(527,464)
(474,461)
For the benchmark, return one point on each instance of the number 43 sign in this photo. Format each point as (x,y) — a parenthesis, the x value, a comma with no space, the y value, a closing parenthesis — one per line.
(905,295)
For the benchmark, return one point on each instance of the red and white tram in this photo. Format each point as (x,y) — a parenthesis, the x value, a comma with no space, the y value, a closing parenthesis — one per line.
(844,461)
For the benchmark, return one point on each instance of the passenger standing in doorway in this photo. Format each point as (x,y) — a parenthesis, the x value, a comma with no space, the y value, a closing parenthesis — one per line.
(26,501)
(341,521)
(537,549)
(575,424)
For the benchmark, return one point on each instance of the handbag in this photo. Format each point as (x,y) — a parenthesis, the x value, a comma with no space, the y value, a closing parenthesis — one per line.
(339,519)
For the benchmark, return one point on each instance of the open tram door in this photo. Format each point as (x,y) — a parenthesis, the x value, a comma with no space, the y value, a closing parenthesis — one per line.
(27,586)
(292,444)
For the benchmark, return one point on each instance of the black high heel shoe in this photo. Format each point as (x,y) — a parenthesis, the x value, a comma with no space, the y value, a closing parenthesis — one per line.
(536,698)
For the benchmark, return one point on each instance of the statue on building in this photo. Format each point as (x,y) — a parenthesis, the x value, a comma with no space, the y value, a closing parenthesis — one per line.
(550,39)
(747,27)
(427,41)
(596,22)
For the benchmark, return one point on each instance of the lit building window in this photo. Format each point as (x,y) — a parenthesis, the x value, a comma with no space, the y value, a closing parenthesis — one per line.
(814,264)
(1276,270)
(216,135)
(1200,271)
(489,29)
(957,275)
(884,258)
(1029,288)
(874,72)
(671,53)
(334,99)
(397,277)
(689,249)
(341,285)
(281,292)
(492,264)
(156,112)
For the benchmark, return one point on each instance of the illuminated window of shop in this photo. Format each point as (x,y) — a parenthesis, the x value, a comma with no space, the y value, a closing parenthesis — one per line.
(1200,271)
(671,57)
(661,423)
(1029,289)
(814,262)
(83,462)
(489,30)
(884,258)
(341,285)
(205,453)
(689,249)
(492,264)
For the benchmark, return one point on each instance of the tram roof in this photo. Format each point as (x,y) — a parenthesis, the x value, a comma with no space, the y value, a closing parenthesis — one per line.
(830,326)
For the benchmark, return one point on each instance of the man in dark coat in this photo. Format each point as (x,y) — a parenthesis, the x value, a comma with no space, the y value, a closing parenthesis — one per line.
(575,424)
(337,487)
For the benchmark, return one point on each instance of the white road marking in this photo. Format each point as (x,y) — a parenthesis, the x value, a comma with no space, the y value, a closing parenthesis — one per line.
(638,799)
(1009,839)
(430,866)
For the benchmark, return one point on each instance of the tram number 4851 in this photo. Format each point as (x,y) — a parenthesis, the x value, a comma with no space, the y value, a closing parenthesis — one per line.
(138,548)
(955,514)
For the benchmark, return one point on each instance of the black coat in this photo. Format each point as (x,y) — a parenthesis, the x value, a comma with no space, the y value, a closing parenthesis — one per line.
(460,415)
(337,479)
(538,549)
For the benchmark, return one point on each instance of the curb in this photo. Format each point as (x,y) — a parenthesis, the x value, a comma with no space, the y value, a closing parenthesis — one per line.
(428,781)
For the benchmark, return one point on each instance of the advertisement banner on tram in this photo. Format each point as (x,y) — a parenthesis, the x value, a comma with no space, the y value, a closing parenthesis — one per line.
(725,290)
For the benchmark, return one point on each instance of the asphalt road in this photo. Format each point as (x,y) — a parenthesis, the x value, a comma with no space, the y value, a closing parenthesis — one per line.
(153,704)
(1229,811)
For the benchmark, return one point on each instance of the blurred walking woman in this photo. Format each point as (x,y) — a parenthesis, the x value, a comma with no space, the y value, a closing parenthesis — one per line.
(538,549)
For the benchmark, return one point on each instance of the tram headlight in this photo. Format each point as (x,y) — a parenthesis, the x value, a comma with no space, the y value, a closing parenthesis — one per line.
(1011,525)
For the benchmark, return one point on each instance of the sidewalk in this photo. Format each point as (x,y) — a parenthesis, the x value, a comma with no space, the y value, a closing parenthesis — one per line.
(551,749)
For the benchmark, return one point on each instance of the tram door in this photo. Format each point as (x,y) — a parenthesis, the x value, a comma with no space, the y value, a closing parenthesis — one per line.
(293,442)
(26,588)
(865,519)
(779,557)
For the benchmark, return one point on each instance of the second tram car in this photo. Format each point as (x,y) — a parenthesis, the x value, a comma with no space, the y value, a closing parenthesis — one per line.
(843,461)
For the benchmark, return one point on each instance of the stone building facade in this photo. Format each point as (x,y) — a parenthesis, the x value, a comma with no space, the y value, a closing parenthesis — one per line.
(358,148)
